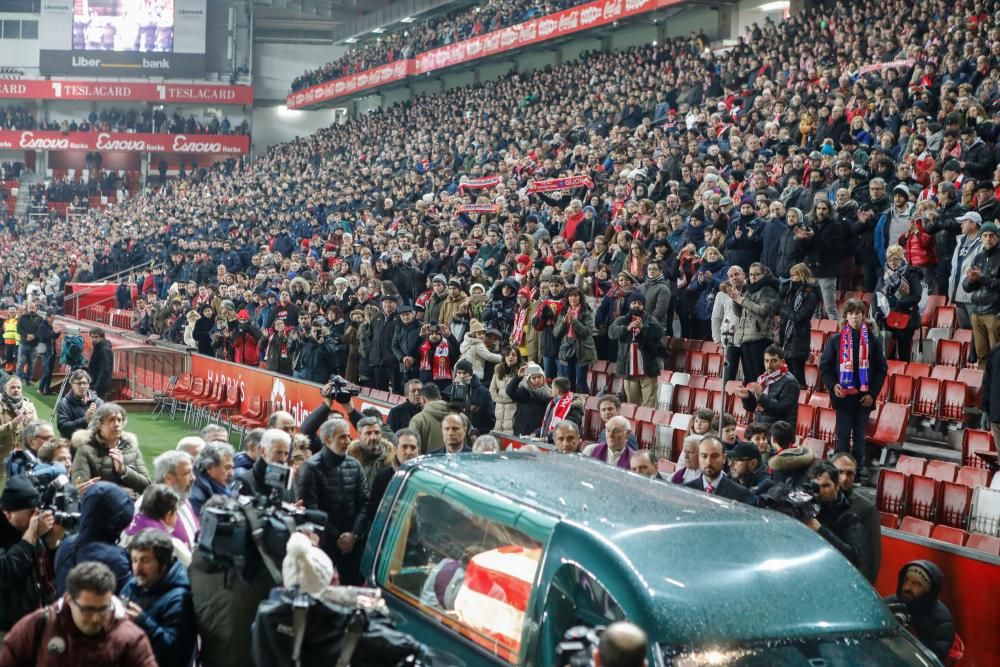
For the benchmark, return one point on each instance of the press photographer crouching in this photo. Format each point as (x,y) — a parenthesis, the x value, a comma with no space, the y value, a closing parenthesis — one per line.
(835,522)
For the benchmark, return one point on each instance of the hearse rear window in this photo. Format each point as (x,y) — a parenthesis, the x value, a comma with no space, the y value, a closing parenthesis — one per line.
(473,574)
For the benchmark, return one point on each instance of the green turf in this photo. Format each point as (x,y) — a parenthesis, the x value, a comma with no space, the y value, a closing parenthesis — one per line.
(155,435)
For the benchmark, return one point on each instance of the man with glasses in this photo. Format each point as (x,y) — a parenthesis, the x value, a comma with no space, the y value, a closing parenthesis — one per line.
(74,409)
(87,623)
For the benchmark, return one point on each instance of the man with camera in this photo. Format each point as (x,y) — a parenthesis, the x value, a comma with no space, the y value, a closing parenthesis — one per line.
(468,395)
(836,522)
(314,353)
(871,527)
(275,446)
(28,536)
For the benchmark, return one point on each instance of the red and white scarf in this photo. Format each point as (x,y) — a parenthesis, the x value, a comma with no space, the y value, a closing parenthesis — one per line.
(636,367)
(559,409)
(552,184)
(767,379)
(520,317)
(440,364)
(479,183)
(479,208)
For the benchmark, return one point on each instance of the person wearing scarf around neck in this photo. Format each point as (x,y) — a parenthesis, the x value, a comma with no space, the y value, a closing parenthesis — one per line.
(774,397)
(899,290)
(853,365)
(575,331)
(16,412)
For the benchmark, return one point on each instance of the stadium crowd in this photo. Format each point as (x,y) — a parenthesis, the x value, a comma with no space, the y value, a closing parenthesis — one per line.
(123,120)
(464,23)
(479,249)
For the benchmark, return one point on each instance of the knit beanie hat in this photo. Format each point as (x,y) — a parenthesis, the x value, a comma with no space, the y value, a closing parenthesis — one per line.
(306,566)
(533,369)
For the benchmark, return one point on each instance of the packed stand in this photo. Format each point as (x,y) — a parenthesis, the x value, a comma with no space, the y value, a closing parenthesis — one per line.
(133,120)
(461,24)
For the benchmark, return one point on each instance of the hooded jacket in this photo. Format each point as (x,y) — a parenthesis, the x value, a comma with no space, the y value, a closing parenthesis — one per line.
(929,619)
(93,460)
(649,341)
(658,295)
(427,423)
(475,351)
(168,616)
(21,592)
(106,510)
(373,467)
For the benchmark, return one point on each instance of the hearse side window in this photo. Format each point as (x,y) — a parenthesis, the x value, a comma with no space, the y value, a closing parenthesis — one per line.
(576,598)
(473,574)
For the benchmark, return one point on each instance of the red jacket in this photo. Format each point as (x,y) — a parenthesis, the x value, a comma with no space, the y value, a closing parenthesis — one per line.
(919,247)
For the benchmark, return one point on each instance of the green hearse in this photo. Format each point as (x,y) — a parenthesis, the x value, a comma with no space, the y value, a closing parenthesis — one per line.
(490,559)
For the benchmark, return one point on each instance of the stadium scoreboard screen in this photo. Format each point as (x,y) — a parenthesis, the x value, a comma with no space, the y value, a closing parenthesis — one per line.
(123,38)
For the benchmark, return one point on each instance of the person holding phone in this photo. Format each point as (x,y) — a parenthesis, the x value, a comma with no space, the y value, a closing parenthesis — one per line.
(16,412)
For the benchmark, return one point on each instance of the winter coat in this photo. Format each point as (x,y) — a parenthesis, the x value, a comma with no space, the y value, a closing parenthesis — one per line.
(829,367)
(475,351)
(336,485)
(649,339)
(427,423)
(372,468)
(406,343)
(985,292)
(965,253)
(401,414)
(168,616)
(380,341)
(530,347)
(317,360)
(505,407)
(531,404)
(929,619)
(275,360)
(919,247)
(482,411)
(575,414)
(945,229)
(452,308)
(204,487)
(789,251)
(499,314)
(905,303)
(93,460)
(759,305)
(582,346)
(105,511)
(657,293)
(544,322)
(780,403)
(771,233)
(746,249)
(71,411)
(841,527)
(21,593)
(11,431)
(796,322)
(991,395)
(704,292)
(824,248)
(123,644)
(432,311)
(102,365)
(882,227)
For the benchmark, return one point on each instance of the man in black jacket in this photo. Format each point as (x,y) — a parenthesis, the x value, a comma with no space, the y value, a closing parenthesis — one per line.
(77,406)
(49,337)
(275,446)
(836,522)
(871,528)
(711,459)
(774,397)
(401,414)
(639,339)
(822,241)
(477,403)
(334,483)
(26,537)
(384,365)
(102,363)
(982,282)
(917,606)
(945,227)
(406,446)
(406,344)
(27,352)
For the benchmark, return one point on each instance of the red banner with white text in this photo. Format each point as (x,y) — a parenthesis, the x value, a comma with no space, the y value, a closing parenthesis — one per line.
(103,91)
(45,140)
(353,83)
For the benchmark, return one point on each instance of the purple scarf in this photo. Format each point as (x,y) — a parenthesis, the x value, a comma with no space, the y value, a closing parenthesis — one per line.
(601,454)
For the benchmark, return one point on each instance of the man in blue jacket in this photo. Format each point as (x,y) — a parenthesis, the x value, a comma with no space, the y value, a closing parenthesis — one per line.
(105,512)
(159,598)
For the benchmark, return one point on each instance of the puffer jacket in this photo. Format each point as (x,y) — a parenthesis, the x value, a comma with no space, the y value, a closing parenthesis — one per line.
(581,346)
(168,616)
(71,411)
(475,351)
(21,592)
(105,511)
(452,308)
(985,292)
(427,423)
(966,251)
(335,484)
(919,247)
(658,295)
(929,619)
(755,313)
(531,404)
(795,322)
(373,467)
(93,460)
(505,407)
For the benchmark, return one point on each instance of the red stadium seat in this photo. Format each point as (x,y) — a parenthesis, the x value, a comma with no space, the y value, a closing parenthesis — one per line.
(910,465)
(829,326)
(976,441)
(713,364)
(949,353)
(955,504)
(805,423)
(628,411)
(946,317)
(985,543)
(918,369)
(942,471)
(696,362)
(738,412)
(973,379)
(916,526)
(924,497)
(819,399)
(679,360)
(955,536)
(900,389)
(934,301)
(804,396)
(973,477)
(888,520)
(697,381)
(892,422)
(927,401)
(896,367)
(944,373)
(890,495)
(682,399)
(826,424)
(813,379)
(819,448)
(816,341)
(953,402)
(665,467)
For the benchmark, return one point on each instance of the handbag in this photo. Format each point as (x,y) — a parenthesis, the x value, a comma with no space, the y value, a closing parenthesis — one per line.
(897,320)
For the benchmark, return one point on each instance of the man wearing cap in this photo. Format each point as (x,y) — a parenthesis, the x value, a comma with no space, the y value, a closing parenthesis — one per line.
(987,205)
(894,222)
(640,350)
(745,467)
(967,248)
(455,304)
(246,340)
(406,344)
(27,538)
(381,360)
(436,299)
(982,282)
(917,606)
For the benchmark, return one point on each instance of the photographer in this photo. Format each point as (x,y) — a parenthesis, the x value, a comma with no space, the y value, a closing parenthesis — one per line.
(75,408)
(314,354)
(28,538)
(277,357)
(243,340)
(275,446)
(439,352)
(470,396)
(836,522)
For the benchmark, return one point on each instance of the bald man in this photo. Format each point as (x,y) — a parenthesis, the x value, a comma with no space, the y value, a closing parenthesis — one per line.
(622,645)
(615,451)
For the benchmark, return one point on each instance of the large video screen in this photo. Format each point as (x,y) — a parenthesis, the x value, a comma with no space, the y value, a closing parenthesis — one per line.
(123,26)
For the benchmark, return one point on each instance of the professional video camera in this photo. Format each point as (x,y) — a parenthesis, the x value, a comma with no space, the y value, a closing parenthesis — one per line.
(799,502)
(341,390)
(57,495)
(459,397)
(248,533)
(577,646)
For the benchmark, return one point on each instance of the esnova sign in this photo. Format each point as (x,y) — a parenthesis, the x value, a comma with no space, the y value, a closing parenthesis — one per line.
(201,144)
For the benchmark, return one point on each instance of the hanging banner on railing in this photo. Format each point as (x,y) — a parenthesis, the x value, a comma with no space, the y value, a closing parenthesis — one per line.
(350,84)
(138,142)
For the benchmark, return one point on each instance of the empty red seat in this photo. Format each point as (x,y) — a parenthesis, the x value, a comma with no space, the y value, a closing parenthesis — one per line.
(946,317)
(818,447)
(816,340)
(985,543)
(888,520)
(949,353)
(696,362)
(934,301)
(826,424)
(819,399)
(900,389)
(896,367)
(628,411)
(944,373)
(955,536)
(892,422)
(891,493)
(911,465)
(926,402)
(942,471)
(973,477)
(916,526)
(924,497)
(917,369)
(973,441)
(813,379)
(679,360)
(713,364)
(805,422)
(738,412)
(682,399)
(955,504)
(973,379)
(953,402)
(665,467)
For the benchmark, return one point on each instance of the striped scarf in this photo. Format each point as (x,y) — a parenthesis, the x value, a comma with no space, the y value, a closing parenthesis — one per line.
(636,367)
(847,370)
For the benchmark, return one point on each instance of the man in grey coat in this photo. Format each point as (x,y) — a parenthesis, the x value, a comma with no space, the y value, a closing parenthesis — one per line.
(755,308)
(657,293)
